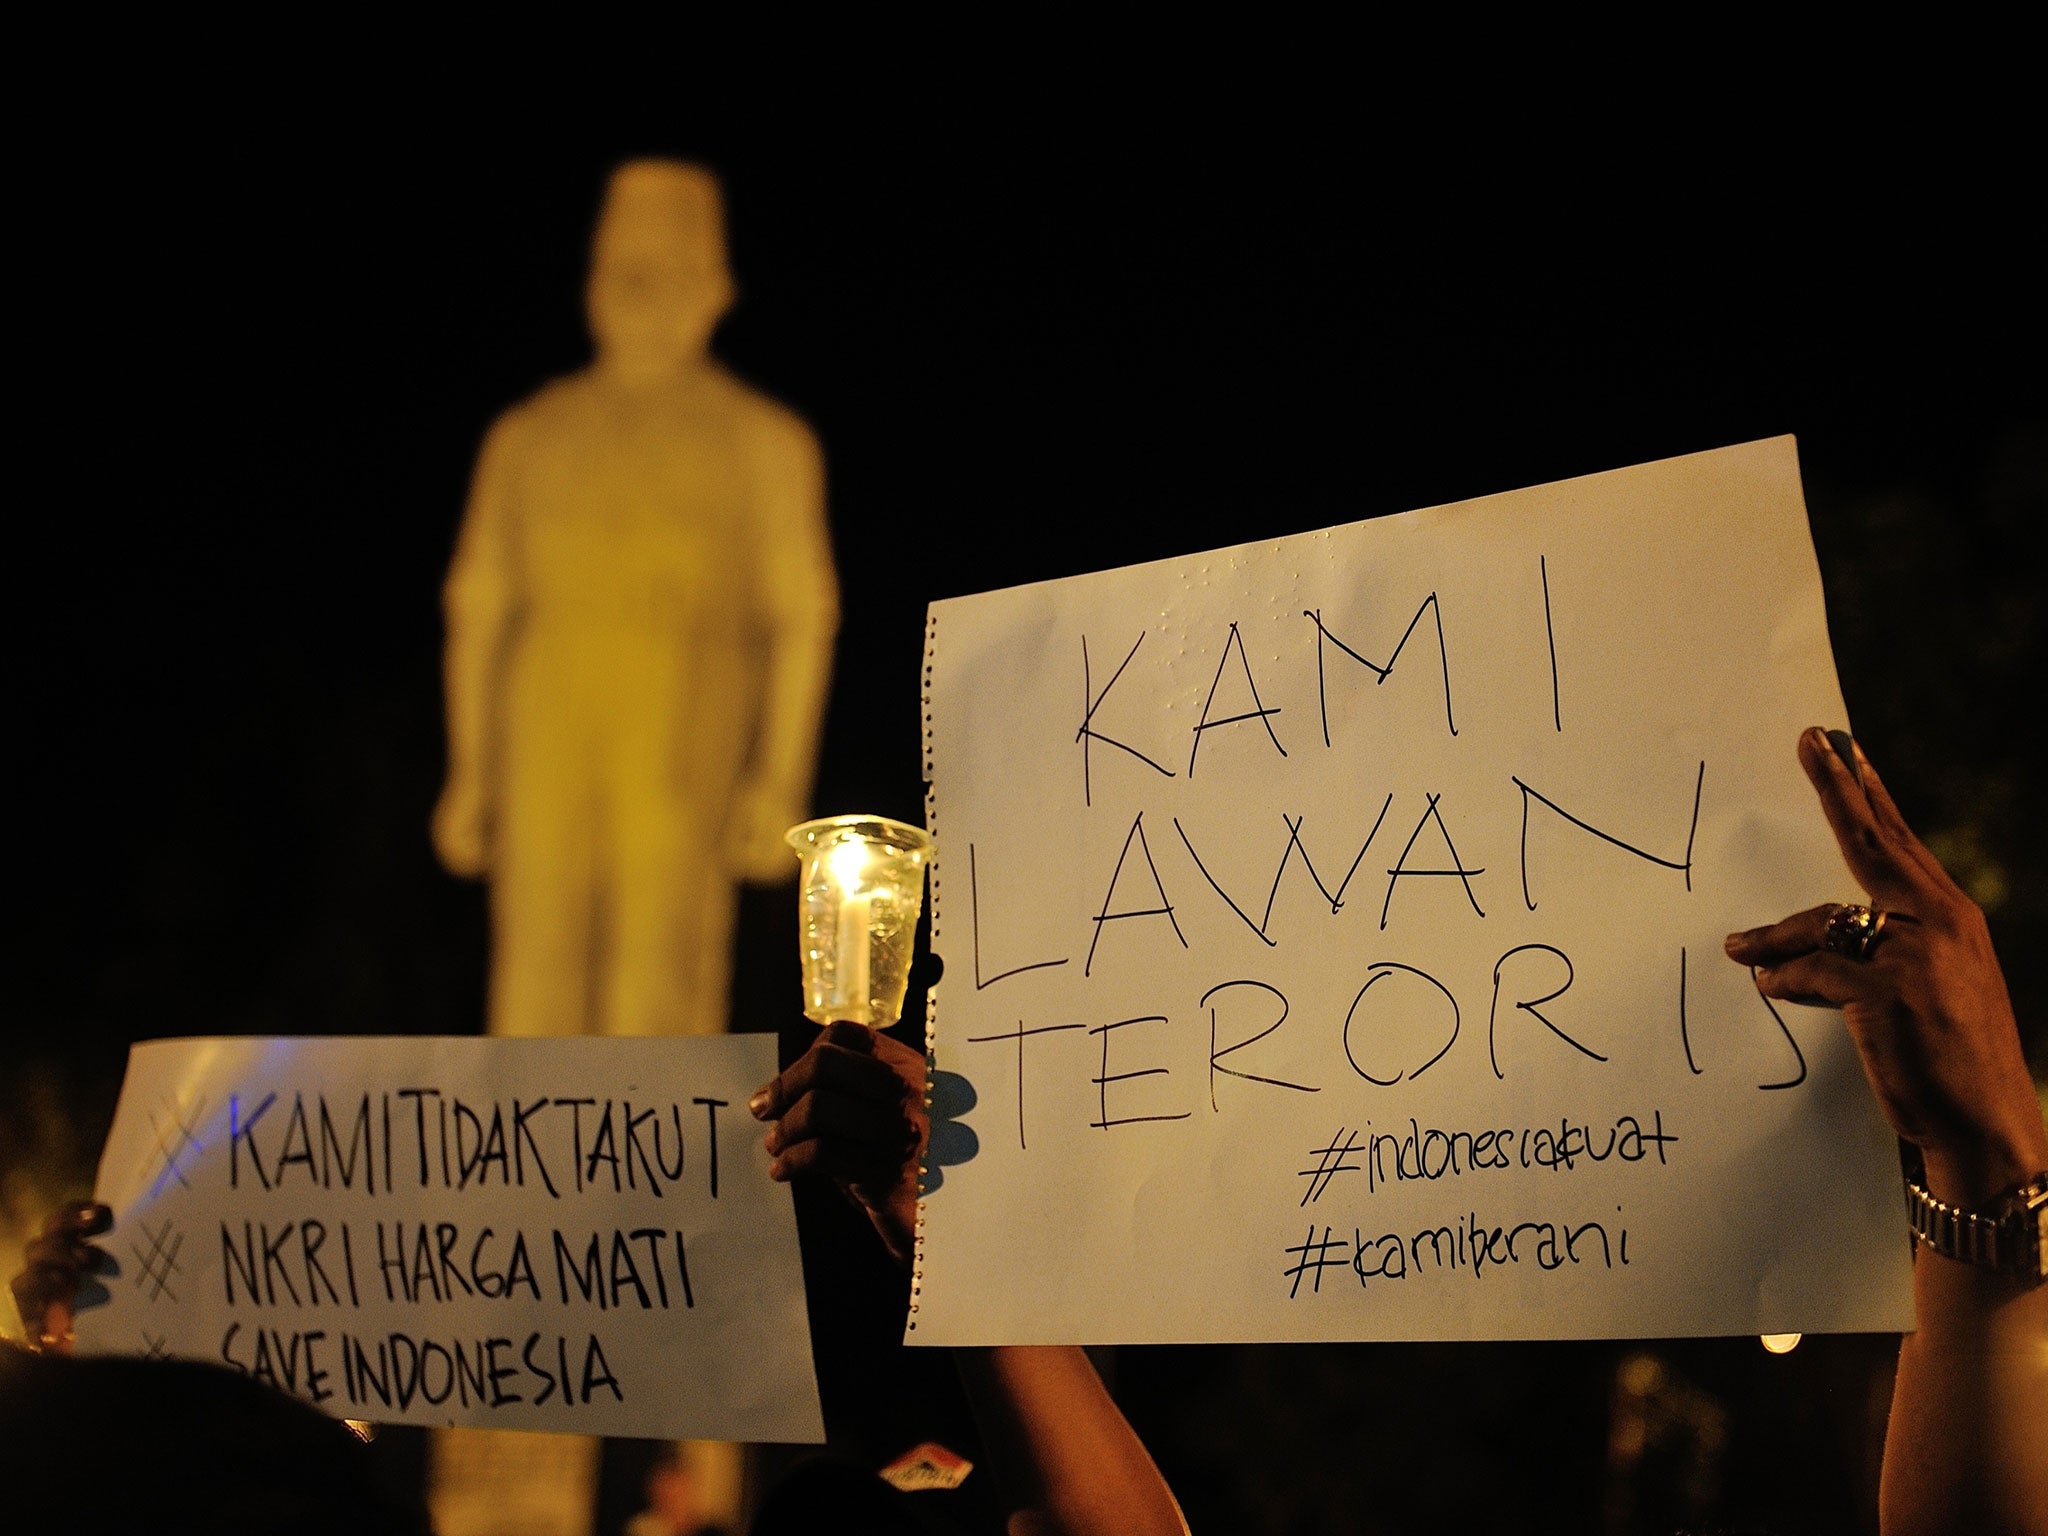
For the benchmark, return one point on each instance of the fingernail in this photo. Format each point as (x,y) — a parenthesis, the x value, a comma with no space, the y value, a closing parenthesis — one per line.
(1845,748)
(757,1106)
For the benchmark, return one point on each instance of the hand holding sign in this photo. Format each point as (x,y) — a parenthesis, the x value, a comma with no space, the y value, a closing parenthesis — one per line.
(1927,1007)
(54,1278)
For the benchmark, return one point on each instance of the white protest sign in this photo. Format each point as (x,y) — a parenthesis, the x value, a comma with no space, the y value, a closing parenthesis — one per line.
(1333,935)
(568,1234)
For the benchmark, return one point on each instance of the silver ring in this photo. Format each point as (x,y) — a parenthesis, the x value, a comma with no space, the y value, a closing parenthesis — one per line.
(1853,931)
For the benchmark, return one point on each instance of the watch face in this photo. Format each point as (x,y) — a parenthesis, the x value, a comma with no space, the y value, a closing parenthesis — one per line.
(2028,1225)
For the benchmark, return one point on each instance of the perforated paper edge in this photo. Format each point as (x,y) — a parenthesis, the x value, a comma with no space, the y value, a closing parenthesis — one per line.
(931,1000)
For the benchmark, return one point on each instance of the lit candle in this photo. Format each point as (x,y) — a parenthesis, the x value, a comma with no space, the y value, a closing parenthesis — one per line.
(855,913)
(856,870)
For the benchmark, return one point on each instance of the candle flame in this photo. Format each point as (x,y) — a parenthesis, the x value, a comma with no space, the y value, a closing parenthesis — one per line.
(848,863)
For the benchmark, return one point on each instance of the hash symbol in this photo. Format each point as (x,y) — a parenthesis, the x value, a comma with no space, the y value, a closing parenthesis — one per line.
(1332,1163)
(160,1262)
(174,1133)
(1315,1253)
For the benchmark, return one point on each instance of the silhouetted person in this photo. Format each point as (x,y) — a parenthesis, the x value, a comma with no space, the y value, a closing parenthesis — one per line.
(122,1445)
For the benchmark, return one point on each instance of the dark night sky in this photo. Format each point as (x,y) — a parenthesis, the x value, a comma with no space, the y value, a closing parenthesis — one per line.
(1025,358)
(263,364)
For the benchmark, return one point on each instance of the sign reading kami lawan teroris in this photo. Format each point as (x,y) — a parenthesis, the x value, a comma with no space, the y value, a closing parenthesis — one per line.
(1333,935)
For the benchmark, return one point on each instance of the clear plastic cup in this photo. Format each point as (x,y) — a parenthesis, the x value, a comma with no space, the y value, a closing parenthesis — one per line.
(858,901)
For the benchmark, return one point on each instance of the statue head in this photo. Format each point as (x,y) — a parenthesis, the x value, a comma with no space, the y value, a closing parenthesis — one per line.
(659,283)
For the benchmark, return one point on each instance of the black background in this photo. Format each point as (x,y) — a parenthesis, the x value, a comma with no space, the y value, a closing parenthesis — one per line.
(261,363)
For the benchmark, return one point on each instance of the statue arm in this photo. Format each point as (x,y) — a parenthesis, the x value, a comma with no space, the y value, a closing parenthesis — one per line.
(479,604)
(799,595)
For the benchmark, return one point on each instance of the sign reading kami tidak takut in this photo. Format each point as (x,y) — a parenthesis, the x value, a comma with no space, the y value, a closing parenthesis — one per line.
(572,1234)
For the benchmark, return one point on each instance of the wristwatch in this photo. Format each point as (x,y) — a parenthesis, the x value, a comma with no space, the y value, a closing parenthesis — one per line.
(2012,1238)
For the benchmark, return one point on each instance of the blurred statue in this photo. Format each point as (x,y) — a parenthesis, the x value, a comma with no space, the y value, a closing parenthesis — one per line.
(640,618)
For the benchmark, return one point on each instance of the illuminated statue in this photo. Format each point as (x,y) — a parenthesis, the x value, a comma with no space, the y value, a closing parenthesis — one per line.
(640,618)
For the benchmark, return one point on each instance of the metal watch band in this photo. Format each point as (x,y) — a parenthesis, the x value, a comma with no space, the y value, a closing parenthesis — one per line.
(2012,1242)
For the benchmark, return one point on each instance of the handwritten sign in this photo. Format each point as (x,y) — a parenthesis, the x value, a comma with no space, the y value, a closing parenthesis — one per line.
(555,1234)
(1333,933)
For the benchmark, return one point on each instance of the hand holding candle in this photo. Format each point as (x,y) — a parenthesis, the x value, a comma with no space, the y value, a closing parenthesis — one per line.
(858,902)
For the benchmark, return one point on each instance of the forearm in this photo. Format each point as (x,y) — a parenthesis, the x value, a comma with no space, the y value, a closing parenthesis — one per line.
(1967,1444)
(478,610)
(793,703)
(480,602)
(797,589)
(1066,1458)
(1924,999)
(468,687)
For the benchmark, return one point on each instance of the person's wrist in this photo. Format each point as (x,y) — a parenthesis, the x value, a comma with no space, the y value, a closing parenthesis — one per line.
(1979,1199)
(1971,1173)
(895,1222)
(2006,1235)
